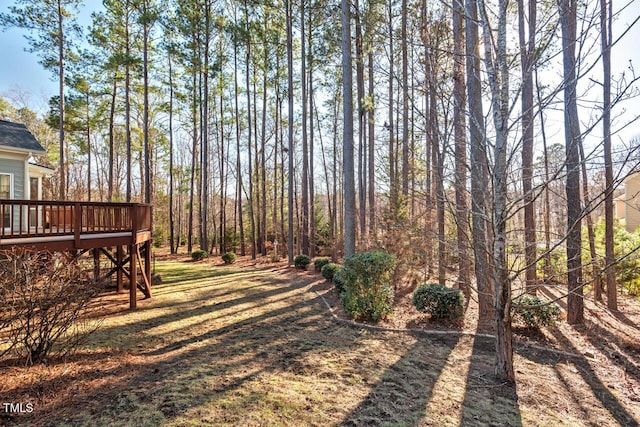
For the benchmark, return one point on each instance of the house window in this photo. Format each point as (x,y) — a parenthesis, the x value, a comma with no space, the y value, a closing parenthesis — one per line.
(33,188)
(5,186)
(6,193)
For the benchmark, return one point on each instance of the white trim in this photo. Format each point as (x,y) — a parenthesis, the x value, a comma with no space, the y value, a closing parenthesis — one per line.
(4,151)
(37,170)
(14,156)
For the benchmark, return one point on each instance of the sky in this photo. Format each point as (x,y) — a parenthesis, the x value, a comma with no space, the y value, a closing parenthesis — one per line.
(22,79)
(25,82)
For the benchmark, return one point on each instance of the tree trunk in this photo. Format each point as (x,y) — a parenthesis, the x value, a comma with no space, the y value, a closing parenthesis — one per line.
(290,119)
(112,136)
(347,140)
(312,202)
(527,58)
(236,115)
(145,83)
(498,77)
(405,104)
(362,185)
(61,82)
(479,167)
(194,156)
(547,180)
(127,101)
(371,157)
(459,125)
(568,18)
(204,124)
(172,237)
(390,126)
(305,147)
(263,160)
(605,38)
(249,133)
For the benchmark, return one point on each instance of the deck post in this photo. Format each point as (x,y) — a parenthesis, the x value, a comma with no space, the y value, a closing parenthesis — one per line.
(133,279)
(77,223)
(119,274)
(147,265)
(96,264)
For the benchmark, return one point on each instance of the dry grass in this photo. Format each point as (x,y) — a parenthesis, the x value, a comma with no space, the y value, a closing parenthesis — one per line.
(255,345)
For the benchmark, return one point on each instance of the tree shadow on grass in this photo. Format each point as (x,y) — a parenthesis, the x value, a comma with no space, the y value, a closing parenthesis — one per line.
(216,362)
(400,396)
(486,401)
(609,402)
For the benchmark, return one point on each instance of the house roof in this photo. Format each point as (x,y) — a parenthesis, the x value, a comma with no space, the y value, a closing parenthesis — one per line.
(16,135)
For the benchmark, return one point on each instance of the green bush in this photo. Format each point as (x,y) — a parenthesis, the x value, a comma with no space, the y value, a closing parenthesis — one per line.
(229,257)
(329,270)
(338,279)
(368,294)
(318,263)
(301,262)
(439,301)
(627,266)
(199,254)
(534,311)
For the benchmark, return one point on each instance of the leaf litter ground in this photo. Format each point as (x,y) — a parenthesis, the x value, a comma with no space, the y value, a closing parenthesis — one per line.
(257,345)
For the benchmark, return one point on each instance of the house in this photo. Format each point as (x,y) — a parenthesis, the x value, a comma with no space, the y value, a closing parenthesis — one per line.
(72,227)
(627,205)
(20,177)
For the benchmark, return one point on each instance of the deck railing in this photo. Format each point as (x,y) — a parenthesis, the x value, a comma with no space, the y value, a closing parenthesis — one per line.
(41,218)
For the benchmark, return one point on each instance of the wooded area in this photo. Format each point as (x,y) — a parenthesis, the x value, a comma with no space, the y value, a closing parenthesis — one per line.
(427,129)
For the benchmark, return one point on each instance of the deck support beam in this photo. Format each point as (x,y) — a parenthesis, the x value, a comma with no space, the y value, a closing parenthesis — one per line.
(133,276)
(119,281)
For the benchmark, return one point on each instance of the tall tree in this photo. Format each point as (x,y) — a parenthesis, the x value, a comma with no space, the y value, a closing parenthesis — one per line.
(147,17)
(568,25)
(478,164)
(605,39)
(405,102)
(305,141)
(53,44)
(459,124)
(250,198)
(496,62)
(527,61)
(289,18)
(349,189)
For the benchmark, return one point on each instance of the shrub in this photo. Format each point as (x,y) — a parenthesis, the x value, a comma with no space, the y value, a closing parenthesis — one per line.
(44,302)
(318,263)
(199,254)
(229,257)
(329,270)
(534,311)
(338,280)
(367,292)
(301,262)
(439,301)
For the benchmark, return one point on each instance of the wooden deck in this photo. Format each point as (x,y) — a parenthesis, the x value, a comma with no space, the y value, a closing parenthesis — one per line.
(78,227)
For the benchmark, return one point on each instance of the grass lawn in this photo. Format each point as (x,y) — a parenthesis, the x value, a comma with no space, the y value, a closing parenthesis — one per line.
(256,346)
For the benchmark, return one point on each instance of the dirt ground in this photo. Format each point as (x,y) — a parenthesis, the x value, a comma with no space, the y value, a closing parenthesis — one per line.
(258,343)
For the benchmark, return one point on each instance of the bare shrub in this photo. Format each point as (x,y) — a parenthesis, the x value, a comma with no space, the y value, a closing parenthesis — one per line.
(44,299)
